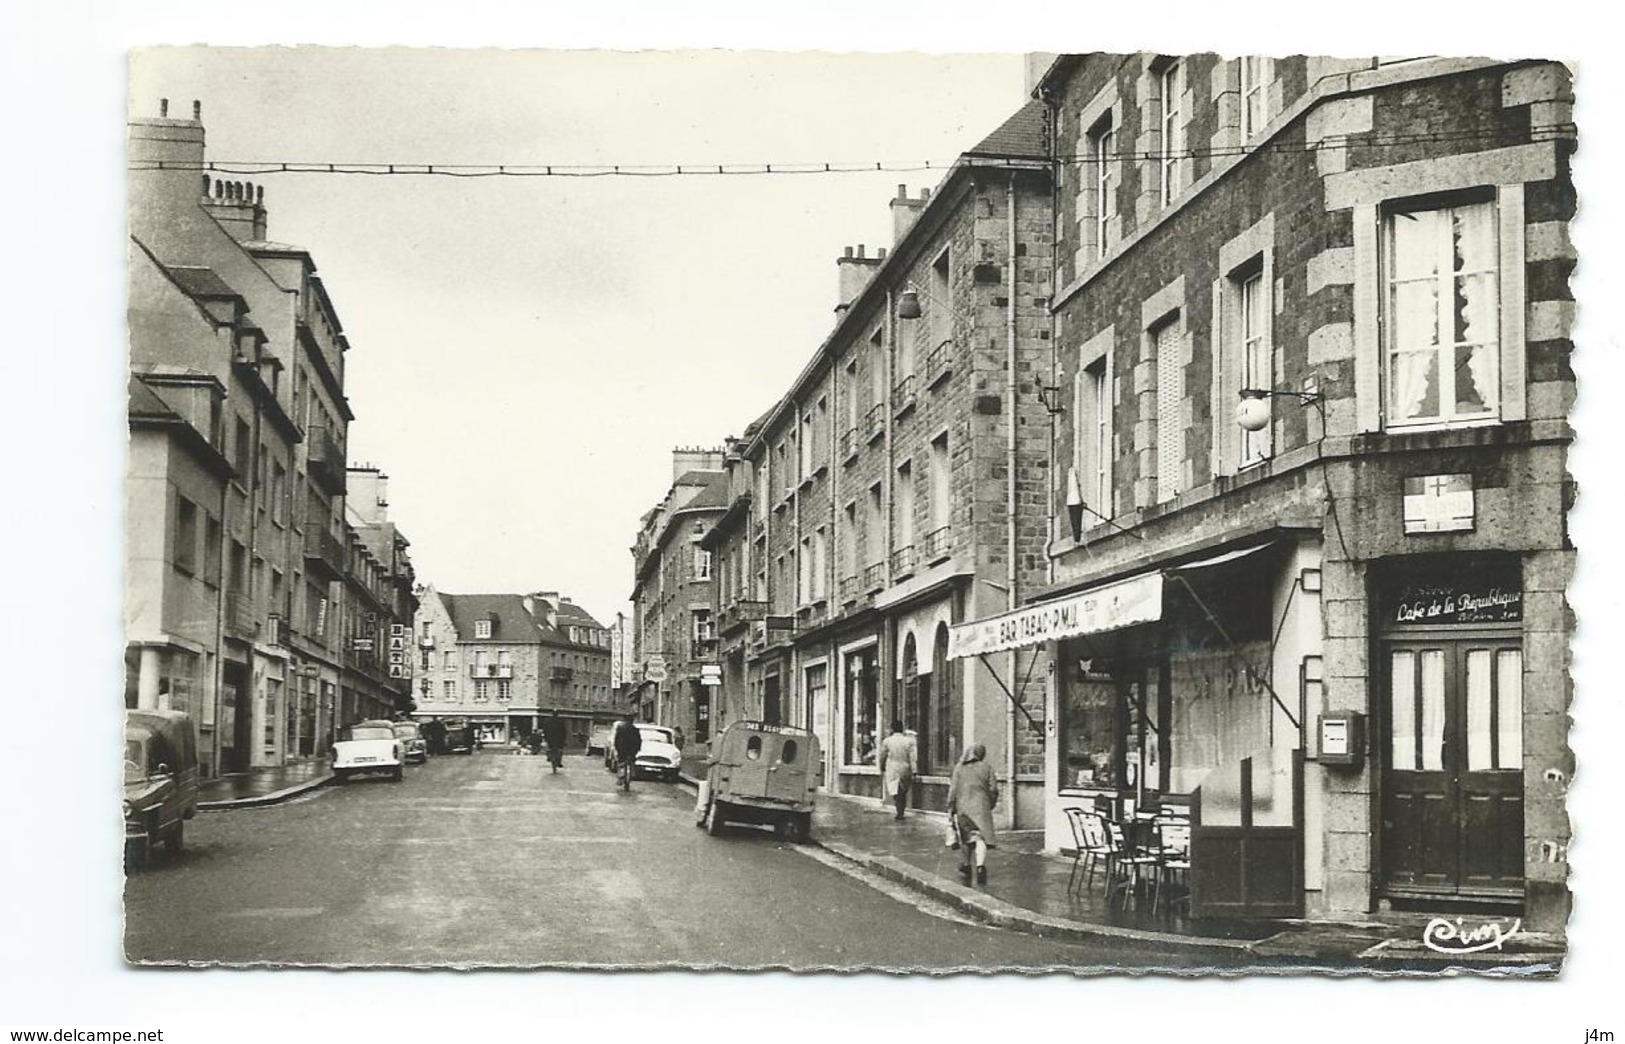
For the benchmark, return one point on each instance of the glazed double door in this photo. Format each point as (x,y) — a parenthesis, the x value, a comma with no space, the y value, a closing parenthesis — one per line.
(1452,789)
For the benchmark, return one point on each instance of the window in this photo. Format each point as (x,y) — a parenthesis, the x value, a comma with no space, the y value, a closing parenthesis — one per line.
(1091,439)
(704,628)
(820,542)
(448,691)
(877,367)
(938,315)
(1102,148)
(1171,84)
(940,482)
(482,629)
(702,563)
(761,488)
(279,493)
(446,661)
(808,441)
(212,537)
(1256,75)
(877,525)
(1257,369)
(1166,346)
(242,450)
(1443,311)
(185,535)
(504,690)
(783,592)
(860,707)
(505,658)
(804,576)
(482,690)
(851,386)
(849,540)
(905,504)
(426,657)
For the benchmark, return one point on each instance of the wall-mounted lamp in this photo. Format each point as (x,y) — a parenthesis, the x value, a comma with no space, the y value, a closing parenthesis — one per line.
(1050,396)
(908,305)
(1253,411)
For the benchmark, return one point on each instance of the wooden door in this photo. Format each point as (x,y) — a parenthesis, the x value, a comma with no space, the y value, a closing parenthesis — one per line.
(1452,800)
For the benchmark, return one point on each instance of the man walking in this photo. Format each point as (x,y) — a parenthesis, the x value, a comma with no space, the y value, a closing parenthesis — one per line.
(553,733)
(899,760)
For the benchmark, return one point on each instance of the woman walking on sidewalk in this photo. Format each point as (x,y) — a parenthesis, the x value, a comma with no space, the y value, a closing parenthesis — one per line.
(972,793)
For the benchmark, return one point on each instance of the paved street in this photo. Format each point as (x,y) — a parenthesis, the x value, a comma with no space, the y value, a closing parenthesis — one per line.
(490,859)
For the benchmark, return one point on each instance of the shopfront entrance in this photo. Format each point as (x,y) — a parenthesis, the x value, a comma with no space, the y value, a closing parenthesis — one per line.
(1452,784)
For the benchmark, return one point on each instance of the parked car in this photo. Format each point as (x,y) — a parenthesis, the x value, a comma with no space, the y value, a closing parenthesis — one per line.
(411,734)
(760,773)
(160,782)
(369,746)
(598,739)
(460,737)
(658,755)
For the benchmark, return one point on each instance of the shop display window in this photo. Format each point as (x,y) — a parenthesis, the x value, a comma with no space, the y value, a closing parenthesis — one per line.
(862,707)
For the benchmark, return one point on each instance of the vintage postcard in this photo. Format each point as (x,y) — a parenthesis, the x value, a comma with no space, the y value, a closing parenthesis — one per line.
(1091,513)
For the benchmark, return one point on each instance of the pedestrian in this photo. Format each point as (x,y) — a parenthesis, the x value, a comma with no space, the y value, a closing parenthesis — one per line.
(972,793)
(899,761)
(553,733)
(677,737)
(628,741)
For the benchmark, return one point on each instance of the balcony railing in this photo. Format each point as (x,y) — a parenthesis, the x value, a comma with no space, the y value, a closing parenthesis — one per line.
(849,590)
(702,649)
(490,670)
(324,554)
(874,422)
(740,611)
(325,458)
(276,629)
(874,576)
(562,674)
(902,561)
(937,365)
(902,395)
(849,445)
(936,545)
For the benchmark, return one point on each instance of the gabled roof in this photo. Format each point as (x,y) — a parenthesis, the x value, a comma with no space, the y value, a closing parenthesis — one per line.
(713,495)
(570,613)
(1022,135)
(146,403)
(513,623)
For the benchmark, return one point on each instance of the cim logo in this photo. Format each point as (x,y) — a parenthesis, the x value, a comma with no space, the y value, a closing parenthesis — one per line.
(1445,936)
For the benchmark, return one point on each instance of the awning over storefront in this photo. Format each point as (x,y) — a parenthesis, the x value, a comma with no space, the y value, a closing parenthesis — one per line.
(1122,603)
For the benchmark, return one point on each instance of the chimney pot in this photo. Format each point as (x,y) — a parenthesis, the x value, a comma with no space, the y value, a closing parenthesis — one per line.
(902,191)
(197,109)
(848,251)
(882,254)
(163,106)
(860,249)
(925,194)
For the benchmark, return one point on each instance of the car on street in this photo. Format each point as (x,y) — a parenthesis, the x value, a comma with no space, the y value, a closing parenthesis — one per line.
(160,782)
(761,773)
(411,734)
(460,738)
(658,756)
(369,746)
(598,739)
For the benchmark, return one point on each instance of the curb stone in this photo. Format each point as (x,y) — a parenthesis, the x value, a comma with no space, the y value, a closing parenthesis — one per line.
(262,800)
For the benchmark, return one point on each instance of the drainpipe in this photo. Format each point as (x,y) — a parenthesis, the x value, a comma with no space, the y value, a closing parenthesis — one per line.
(1011,593)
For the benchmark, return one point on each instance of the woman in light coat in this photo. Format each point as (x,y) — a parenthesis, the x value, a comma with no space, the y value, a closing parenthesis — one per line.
(972,793)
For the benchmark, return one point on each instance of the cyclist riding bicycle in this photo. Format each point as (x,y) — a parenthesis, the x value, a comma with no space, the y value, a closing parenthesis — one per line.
(628,741)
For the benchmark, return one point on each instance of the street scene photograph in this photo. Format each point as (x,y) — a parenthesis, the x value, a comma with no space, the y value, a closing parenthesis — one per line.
(1093,513)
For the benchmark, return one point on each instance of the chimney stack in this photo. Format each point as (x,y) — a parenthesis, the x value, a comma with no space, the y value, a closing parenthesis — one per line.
(695,458)
(853,272)
(239,207)
(905,211)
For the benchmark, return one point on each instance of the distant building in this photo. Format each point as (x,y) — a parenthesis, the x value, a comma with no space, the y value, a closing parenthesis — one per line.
(503,661)
(674,635)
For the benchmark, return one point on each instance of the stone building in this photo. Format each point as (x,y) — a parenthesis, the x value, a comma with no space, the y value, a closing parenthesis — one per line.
(236,336)
(503,661)
(673,627)
(1309,498)
(899,487)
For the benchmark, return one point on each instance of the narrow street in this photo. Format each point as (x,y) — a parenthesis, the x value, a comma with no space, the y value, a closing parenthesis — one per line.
(491,859)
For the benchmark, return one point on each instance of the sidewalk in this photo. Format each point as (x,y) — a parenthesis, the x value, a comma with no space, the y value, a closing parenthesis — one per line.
(1028,891)
(263,786)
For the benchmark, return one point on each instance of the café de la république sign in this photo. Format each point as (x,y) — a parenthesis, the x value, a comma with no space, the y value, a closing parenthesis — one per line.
(1121,604)
(1479,597)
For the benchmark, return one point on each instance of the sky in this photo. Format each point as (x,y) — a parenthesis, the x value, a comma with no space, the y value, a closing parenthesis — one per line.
(525,352)
(66,80)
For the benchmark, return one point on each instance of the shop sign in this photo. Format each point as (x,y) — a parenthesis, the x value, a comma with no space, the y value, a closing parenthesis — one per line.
(1462,602)
(654,669)
(710,674)
(1136,600)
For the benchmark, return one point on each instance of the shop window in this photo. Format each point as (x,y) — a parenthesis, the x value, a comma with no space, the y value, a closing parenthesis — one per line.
(861,707)
(1442,334)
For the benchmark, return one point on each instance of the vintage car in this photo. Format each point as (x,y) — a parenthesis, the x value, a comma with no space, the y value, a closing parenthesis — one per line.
(598,740)
(369,746)
(658,755)
(760,773)
(411,734)
(160,782)
(460,737)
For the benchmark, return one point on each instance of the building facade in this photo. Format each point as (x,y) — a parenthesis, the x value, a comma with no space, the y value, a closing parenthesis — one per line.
(899,488)
(504,661)
(1309,557)
(265,555)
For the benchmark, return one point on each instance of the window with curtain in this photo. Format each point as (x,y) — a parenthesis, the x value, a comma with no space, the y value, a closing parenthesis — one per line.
(1443,315)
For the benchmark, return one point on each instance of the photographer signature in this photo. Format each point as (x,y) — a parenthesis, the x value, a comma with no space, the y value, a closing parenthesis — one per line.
(1445,936)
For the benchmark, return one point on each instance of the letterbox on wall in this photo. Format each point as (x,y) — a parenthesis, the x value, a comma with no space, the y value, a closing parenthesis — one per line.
(1342,739)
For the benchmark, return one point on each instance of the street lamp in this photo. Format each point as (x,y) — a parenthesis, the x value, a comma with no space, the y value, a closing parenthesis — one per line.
(1253,411)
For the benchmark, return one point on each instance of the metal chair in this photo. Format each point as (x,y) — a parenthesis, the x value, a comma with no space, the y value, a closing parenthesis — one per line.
(1128,859)
(1091,845)
(1173,859)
